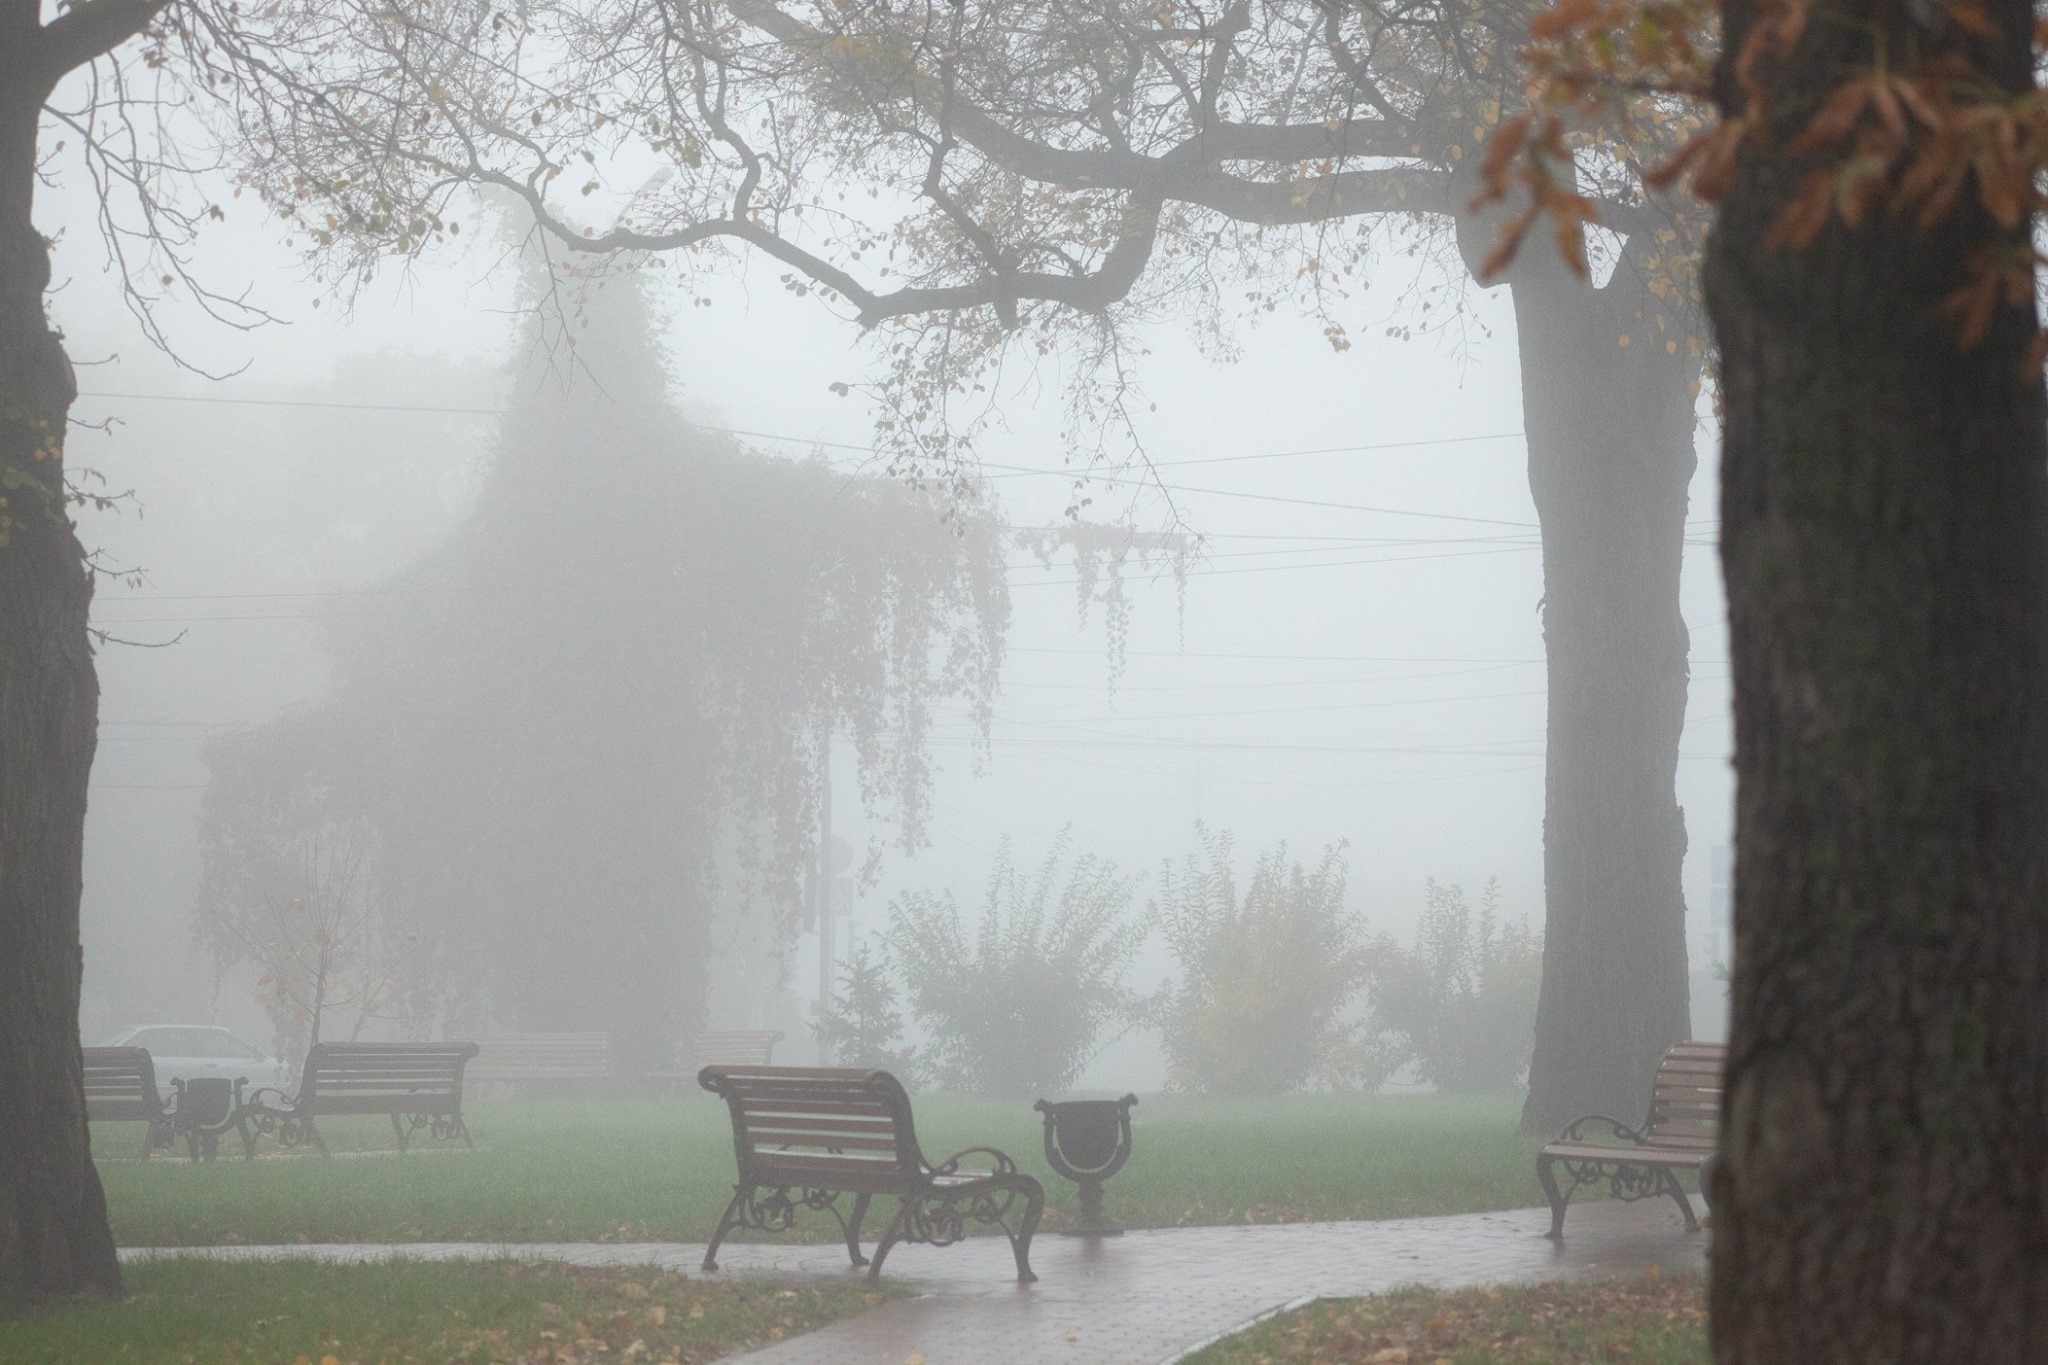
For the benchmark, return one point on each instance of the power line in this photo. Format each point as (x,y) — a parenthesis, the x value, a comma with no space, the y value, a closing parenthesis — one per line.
(868,450)
(1122,688)
(463,410)
(1329,450)
(1270,497)
(1290,782)
(1315,709)
(1333,547)
(1027,583)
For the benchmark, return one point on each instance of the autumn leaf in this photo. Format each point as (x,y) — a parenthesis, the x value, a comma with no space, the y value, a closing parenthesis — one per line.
(1802,220)
(1834,119)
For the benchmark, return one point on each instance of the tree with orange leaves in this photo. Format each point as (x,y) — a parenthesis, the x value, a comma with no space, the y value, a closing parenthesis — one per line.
(1871,281)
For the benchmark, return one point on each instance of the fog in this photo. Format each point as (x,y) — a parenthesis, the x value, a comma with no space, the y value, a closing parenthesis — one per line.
(1355,655)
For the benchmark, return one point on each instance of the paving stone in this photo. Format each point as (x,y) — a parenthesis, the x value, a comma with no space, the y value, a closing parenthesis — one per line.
(1144,1298)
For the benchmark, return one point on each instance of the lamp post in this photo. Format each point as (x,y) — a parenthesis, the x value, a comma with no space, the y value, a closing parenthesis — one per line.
(1088,1141)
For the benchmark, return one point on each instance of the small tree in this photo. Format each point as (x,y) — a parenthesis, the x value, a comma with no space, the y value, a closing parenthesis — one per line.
(295,883)
(862,1024)
(1025,1004)
(312,923)
(1264,979)
(1462,1002)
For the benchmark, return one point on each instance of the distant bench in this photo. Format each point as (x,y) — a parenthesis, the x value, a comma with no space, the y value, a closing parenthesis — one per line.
(1681,1133)
(730,1047)
(418,1084)
(541,1057)
(120,1087)
(739,1047)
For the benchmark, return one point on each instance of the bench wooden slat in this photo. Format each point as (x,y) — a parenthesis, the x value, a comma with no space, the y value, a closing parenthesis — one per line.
(764,1140)
(850,1108)
(120,1086)
(1642,1156)
(763,1122)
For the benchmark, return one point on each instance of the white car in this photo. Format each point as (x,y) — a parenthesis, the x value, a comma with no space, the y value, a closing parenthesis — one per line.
(185,1051)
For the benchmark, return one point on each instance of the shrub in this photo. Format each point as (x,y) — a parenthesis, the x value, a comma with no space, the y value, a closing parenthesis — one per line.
(1462,1003)
(862,1024)
(1263,979)
(1024,1005)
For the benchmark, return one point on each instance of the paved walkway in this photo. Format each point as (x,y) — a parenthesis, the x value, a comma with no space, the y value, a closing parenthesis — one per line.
(1145,1298)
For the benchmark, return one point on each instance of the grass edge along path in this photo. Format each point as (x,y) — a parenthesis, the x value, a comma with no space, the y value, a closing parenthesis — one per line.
(661,1170)
(1654,1319)
(181,1310)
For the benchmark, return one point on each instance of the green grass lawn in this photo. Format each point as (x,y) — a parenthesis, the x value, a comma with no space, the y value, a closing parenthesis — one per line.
(662,1169)
(297,1313)
(1655,1320)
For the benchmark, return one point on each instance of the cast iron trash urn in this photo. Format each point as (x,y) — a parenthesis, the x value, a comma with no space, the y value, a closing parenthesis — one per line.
(1088,1141)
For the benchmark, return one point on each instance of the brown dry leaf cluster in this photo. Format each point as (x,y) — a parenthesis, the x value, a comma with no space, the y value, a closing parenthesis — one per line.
(1913,133)
(1597,1323)
(628,1317)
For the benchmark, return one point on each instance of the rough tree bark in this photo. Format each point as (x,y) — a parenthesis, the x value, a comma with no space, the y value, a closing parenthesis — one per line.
(54,1238)
(1882,1195)
(1607,401)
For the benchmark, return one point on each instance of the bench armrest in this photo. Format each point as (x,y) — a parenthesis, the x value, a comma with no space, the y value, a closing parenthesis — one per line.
(1616,1128)
(951,1165)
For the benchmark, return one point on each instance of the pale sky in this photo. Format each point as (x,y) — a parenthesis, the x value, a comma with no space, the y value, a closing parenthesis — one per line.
(1337,673)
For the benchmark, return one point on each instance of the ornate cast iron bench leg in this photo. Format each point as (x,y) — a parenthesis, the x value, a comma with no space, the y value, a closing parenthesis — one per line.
(860,1211)
(1677,1192)
(891,1235)
(732,1218)
(938,1220)
(1548,1178)
(1020,1240)
(1626,1179)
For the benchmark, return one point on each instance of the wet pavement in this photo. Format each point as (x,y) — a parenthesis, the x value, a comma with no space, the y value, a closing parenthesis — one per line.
(1145,1298)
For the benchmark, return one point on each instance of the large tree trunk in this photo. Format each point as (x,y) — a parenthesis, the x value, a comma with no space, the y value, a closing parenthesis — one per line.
(1883,1193)
(54,1238)
(1607,400)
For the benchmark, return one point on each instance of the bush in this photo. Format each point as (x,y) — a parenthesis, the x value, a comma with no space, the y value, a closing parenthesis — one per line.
(1021,1008)
(1265,979)
(1462,1003)
(862,1024)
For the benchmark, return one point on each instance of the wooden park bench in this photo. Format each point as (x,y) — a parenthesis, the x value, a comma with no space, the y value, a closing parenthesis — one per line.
(734,1047)
(508,1057)
(804,1136)
(737,1047)
(1680,1134)
(418,1084)
(120,1087)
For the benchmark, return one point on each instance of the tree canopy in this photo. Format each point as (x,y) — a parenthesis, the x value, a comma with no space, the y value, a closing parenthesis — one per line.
(1043,171)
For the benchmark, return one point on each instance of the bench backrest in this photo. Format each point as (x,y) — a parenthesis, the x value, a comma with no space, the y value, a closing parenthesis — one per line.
(541,1056)
(740,1047)
(383,1078)
(120,1085)
(833,1127)
(1685,1100)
